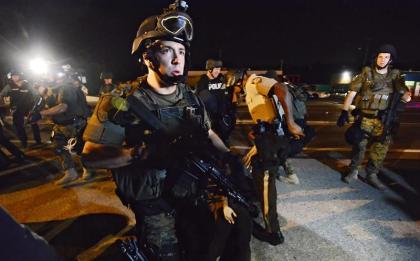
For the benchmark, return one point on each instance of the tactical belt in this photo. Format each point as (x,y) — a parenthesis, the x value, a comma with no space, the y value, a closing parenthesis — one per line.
(373,115)
(68,121)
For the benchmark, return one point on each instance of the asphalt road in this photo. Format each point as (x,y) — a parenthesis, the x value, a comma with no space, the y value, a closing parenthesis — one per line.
(322,218)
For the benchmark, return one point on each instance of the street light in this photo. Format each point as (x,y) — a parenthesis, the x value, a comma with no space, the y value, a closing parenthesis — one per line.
(38,66)
(345,77)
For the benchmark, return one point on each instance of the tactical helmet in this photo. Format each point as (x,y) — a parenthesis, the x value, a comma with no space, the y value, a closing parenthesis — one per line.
(211,64)
(234,77)
(14,72)
(272,74)
(387,48)
(173,24)
(106,75)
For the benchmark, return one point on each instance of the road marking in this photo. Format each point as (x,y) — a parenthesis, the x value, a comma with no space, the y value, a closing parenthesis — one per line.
(100,247)
(327,123)
(349,149)
(58,229)
(335,149)
(10,171)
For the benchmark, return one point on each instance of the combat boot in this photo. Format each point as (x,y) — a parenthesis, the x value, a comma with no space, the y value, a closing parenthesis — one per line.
(373,180)
(352,175)
(291,179)
(69,176)
(87,174)
(291,176)
(261,234)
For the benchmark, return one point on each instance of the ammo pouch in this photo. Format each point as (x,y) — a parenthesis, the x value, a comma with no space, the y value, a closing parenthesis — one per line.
(134,185)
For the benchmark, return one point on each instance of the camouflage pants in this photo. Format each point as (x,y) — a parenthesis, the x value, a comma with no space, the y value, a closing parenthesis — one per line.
(60,138)
(158,232)
(378,149)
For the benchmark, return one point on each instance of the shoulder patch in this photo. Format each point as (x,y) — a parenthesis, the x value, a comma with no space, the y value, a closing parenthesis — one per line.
(119,103)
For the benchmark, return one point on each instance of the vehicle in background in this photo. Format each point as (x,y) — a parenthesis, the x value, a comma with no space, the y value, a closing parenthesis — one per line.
(316,91)
(412,80)
(340,89)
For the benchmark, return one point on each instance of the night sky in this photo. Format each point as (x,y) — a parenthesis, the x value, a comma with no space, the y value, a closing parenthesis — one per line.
(314,38)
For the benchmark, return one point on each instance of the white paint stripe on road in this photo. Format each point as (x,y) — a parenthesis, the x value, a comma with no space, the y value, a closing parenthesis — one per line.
(10,171)
(328,123)
(100,247)
(335,149)
(58,229)
(349,149)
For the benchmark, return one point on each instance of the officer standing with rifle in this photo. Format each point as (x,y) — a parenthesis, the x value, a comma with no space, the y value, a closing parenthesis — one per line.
(377,91)
(162,124)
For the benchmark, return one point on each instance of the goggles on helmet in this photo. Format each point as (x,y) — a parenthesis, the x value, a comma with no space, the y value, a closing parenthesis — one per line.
(176,23)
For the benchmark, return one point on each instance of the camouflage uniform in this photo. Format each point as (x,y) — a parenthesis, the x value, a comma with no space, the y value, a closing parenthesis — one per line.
(373,92)
(142,185)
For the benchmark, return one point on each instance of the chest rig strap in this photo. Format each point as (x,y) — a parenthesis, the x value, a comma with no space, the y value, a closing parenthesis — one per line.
(147,109)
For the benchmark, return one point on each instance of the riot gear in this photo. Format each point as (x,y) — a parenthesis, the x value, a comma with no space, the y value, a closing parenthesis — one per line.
(234,78)
(211,64)
(172,25)
(14,72)
(106,75)
(387,48)
(378,91)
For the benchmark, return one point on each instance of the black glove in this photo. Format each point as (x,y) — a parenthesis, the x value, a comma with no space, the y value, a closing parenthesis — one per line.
(355,112)
(34,116)
(344,117)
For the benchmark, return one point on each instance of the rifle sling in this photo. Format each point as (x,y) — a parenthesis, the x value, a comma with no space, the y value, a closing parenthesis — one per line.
(141,111)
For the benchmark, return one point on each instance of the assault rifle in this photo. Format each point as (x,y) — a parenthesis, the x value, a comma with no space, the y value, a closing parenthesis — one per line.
(220,180)
(34,114)
(197,167)
(390,115)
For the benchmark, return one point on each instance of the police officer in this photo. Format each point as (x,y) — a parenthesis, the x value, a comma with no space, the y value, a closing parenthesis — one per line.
(268,101)
(218,100)
(373,88)
(4,142)
(140,169)
(107,85)
(21,101)
(69,117)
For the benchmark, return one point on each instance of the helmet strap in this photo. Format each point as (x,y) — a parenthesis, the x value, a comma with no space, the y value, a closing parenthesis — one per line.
(383,67)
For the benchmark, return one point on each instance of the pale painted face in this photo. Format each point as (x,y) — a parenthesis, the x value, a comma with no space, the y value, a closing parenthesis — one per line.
(383,59)
(171,57)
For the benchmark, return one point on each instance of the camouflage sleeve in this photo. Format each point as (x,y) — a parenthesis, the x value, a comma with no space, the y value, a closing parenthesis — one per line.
(100,129)
(358,80)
